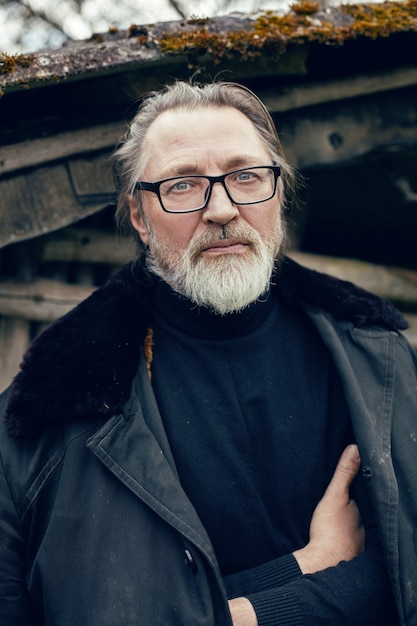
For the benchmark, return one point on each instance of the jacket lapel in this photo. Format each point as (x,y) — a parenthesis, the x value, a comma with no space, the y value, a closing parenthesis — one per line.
(152,474)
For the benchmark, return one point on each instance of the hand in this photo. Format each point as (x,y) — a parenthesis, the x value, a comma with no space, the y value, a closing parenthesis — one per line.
(242,612)
(336,533)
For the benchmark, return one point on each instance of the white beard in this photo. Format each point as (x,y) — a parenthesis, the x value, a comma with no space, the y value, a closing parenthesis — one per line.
(224,283)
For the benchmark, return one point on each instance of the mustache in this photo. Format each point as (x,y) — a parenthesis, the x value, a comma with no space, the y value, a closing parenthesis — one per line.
(245,234)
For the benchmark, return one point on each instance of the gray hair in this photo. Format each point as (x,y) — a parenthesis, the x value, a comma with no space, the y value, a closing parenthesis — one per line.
(130,157)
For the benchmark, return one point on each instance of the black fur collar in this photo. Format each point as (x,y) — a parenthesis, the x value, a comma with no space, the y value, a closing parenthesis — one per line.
(84,363)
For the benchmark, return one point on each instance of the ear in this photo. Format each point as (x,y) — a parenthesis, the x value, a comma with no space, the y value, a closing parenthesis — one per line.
(137,220)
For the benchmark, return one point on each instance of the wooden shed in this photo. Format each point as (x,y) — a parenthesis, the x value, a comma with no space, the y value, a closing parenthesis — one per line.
(340,82)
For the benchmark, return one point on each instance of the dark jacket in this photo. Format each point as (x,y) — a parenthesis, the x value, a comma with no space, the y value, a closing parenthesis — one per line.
(95,527)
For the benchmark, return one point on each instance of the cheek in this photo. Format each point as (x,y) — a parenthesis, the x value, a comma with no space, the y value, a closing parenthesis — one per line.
(265,222)
(177,230)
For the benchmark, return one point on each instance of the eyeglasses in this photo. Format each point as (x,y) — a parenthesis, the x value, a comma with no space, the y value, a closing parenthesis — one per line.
(185,194)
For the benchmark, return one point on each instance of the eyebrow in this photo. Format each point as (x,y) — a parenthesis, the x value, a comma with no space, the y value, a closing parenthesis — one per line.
(243,161)
(182,170)
(230,165)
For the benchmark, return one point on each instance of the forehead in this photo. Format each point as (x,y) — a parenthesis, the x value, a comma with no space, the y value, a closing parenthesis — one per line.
(203,138)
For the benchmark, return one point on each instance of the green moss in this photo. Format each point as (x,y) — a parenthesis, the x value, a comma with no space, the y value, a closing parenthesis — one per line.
(9,62)
(382,20)
(305,8)
(271,33)
(137,31)
(97,38)
(245,44)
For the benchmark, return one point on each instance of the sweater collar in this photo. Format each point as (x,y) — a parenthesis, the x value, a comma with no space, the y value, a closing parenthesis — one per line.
(83,365)
(197,321)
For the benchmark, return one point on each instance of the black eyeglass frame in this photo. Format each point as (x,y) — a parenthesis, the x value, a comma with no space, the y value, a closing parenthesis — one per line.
(155,187)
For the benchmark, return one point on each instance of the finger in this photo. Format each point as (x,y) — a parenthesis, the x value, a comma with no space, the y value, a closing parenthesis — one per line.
(346,470)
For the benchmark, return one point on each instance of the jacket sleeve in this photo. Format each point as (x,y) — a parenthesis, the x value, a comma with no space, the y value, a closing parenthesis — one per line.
(272,574)
(355,593)
(15,606)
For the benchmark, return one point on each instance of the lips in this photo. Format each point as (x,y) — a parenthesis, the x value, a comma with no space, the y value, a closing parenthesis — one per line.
(225,246)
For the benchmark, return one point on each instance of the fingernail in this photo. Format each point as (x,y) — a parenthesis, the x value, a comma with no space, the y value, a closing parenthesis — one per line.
(352,453)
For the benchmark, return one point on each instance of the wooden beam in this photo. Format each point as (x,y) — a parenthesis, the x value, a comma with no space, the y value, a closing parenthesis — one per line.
(393,283)
(348,129)
(14,341)
(42,300)
(88,246)
(289,98)
(40,201)
(46,149)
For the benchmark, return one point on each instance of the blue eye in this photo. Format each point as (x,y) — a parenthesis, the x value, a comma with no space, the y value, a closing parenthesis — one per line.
(245,176)
(181,185)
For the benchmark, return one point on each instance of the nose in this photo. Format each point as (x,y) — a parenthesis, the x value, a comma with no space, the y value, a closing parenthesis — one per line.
(220,209)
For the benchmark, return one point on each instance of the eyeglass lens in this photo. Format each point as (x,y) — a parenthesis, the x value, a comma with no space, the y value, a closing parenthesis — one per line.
(246,186)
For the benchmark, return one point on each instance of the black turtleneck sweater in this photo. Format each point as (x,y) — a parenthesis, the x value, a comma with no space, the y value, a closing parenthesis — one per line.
(256,419)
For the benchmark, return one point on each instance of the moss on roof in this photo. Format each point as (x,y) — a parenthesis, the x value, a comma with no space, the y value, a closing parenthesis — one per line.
(270,33)
(210,40)
(9,62)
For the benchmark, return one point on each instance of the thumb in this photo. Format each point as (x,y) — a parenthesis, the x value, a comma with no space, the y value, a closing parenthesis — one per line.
(344,474)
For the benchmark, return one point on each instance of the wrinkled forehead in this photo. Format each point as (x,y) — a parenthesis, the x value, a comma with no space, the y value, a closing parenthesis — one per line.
(203,134)
(180,116)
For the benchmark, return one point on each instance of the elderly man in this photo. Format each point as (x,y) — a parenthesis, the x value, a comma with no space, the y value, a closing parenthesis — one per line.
(168,443)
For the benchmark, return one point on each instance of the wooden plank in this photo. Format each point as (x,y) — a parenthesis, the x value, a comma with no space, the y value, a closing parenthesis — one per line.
(335,133)
(14,341)
(91,246)
(396,284)
(39,201)
(41,300)
(46,149)
(92,178)
(289,98)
